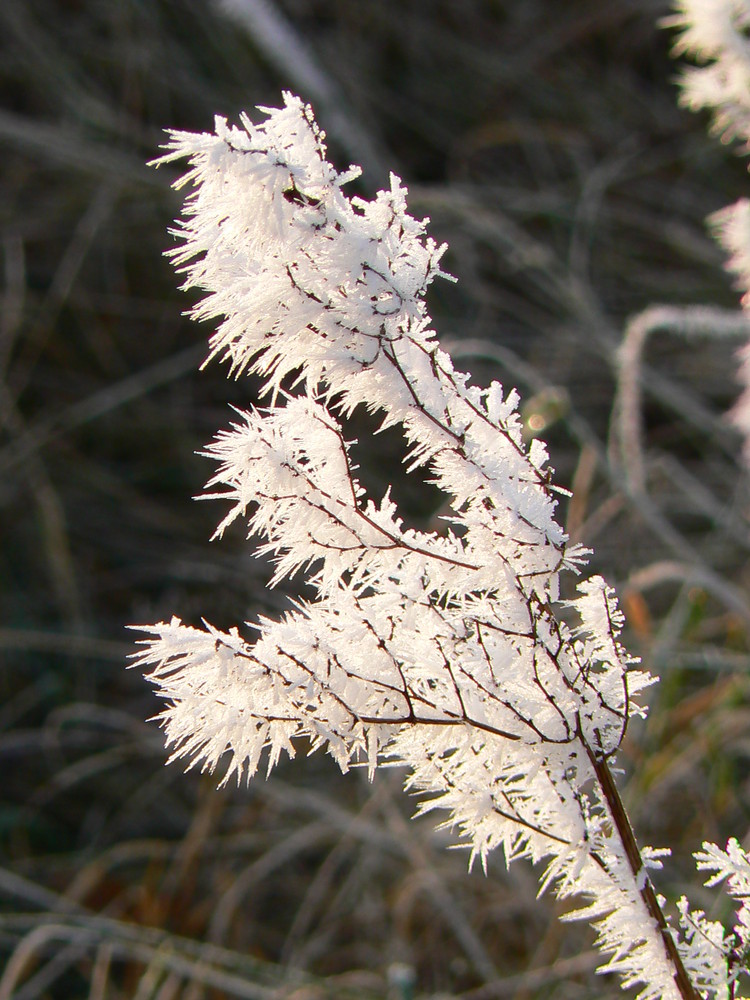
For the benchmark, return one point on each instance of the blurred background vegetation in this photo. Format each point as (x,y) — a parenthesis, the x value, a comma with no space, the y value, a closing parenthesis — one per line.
(545,142)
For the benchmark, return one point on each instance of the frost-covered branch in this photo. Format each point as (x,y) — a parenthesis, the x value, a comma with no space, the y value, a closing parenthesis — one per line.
(449,654)
(714,33)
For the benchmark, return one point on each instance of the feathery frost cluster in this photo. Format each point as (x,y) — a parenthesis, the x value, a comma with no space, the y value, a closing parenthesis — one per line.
(447,653)
(715,34)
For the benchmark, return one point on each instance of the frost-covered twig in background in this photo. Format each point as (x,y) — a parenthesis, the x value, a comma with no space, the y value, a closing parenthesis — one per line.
(715,34)
(283,46)
(449,654)
(626,435)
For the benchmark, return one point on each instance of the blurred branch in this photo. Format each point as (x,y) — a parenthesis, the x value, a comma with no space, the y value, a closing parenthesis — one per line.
(38,641)
(296,62)
(237,975)
(625,443)
(111,397)
(72,149)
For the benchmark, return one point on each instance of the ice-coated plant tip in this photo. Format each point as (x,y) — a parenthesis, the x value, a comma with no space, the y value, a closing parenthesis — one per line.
(448,654)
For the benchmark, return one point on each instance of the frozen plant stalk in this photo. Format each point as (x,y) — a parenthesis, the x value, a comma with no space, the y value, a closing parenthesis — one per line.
(445,653)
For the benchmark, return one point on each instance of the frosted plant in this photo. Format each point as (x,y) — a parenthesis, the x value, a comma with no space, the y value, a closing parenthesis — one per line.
(450,654)
(715,34)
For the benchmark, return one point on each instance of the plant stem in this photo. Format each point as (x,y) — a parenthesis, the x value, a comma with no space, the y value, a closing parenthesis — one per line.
(625,830)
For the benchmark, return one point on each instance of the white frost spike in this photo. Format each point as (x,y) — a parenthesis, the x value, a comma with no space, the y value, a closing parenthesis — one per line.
(443,653)
(714,32)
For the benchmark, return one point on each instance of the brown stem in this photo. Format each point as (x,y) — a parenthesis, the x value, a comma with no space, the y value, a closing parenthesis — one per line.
(625,830)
